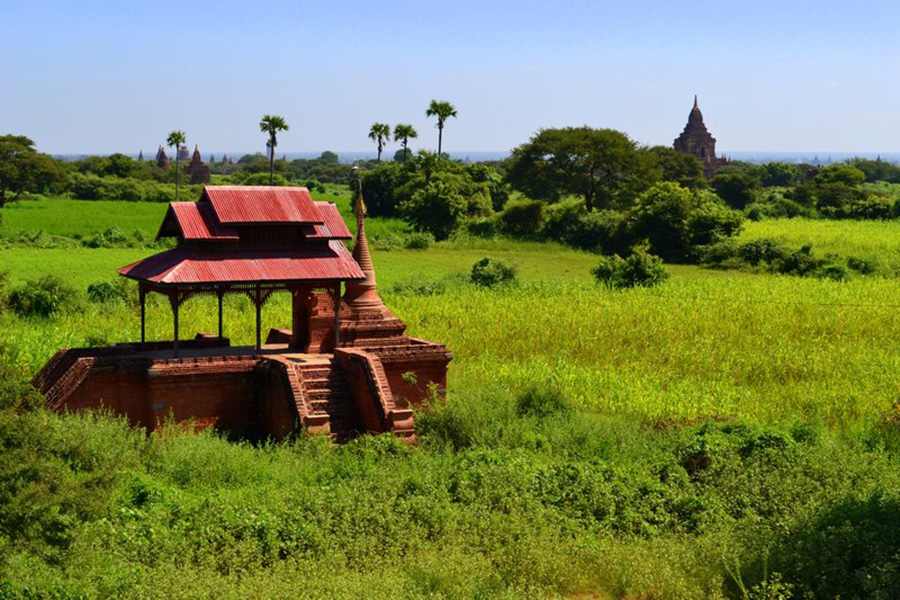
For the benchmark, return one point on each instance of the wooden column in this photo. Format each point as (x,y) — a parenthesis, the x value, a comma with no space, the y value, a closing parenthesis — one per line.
(337,315)
(143,295)
(258,302)
(220,294)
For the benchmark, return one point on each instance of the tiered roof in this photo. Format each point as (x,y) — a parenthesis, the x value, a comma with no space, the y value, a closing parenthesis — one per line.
(250,234)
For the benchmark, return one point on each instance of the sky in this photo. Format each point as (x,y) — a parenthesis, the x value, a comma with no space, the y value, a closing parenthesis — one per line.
(101,77)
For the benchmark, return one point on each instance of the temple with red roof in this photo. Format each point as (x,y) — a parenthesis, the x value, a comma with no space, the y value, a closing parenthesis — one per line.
(344,367)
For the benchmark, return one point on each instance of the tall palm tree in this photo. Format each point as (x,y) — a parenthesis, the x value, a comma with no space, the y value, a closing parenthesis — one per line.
(272,124)
(176,138)
(443,111)
(403,133)
(380,133)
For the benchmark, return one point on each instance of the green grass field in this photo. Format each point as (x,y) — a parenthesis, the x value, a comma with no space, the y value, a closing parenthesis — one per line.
(874,241)
(724,434)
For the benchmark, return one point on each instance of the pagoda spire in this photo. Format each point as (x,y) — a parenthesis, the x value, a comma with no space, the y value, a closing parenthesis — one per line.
(695,101)
(363,293)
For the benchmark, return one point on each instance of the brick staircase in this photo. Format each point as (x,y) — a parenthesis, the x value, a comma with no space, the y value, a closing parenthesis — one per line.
(327,396)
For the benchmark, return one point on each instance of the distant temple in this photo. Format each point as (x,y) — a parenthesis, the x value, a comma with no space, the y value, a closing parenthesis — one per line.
(162,161)
(697,140)
(141,156)
(344,367)
(183,153)
(198,171)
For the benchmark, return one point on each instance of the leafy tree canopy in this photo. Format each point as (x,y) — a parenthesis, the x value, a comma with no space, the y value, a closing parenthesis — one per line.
(23,169)
(603,166)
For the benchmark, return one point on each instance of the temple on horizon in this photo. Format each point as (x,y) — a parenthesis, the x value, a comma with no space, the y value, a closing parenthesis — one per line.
(697,140)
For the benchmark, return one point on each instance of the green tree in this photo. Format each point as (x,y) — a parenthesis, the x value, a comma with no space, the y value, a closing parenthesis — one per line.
(737,189)
(603,166)
(273,125)
(443,111)
(329,157)
(437,208)
(778,174)
(380,133)
(403,133)
(23,169)
(680,167)
(176,138)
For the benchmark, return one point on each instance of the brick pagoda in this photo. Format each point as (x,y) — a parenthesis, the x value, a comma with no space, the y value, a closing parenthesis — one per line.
(344,367)
(697,140)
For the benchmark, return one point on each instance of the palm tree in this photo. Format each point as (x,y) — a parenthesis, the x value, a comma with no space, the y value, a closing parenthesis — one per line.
(443,111)
(272,124)
(176,138)
(380,133)
(402,133)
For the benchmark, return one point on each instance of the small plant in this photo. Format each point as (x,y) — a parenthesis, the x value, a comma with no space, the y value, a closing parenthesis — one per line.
(489,272)
(419,240)
(42,298)
(638,270)
(542,403)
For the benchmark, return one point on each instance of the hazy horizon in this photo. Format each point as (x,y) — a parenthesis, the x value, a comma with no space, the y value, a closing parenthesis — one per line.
(97,77)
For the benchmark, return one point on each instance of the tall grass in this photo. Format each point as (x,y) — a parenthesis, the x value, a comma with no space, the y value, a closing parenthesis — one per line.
(877,242)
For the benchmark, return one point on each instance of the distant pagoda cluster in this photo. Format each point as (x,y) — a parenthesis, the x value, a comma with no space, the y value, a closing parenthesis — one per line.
(198,171)
(697,140)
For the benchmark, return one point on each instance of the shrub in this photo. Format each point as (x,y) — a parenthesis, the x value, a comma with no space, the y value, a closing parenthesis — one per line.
(763,250)
(638,270)
(802,262)
(677,221)
(542,402)
(42,298)
(523,217)
(4,279)
(419,240)
(437,208)
(104,291)
(484,228)
(569,223)
(736,189)
(489,272)
(863,266)
(112,237)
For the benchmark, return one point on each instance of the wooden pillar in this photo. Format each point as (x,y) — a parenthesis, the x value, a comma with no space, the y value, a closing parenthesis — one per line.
(176,304)
(220,294)
(337,315)
(258,319)
(143,295)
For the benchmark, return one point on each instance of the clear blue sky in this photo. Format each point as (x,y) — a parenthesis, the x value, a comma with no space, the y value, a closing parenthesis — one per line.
(93,76)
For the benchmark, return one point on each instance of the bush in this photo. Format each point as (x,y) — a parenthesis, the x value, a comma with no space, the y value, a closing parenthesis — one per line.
(419,241)
(112,237)
(485,228)
(489,272)
(42,298)
(801,263)
(542,403)
(638,270)
(763,250)
(523,217)
(677,222)
(103,292)
(437,208)
(569,223)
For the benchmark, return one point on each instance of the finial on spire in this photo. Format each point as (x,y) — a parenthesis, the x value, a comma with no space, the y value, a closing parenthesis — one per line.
(695,101)
(359,208)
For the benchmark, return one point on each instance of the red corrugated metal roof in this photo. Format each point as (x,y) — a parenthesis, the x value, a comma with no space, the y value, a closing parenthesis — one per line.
(197,222)
(333,226)
(179,266)
(238,205)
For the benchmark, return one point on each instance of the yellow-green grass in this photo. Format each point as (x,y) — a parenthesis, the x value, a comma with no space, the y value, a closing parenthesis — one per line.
(875,241)
(704,344)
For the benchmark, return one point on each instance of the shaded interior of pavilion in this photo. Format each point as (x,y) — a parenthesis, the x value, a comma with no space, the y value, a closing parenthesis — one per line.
(259,294)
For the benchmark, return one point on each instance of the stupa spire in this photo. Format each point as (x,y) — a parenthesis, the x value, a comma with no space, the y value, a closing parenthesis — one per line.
(695,101)
(363,293)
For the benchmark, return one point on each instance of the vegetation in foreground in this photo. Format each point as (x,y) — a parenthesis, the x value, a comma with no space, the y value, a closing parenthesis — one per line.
(721,434)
